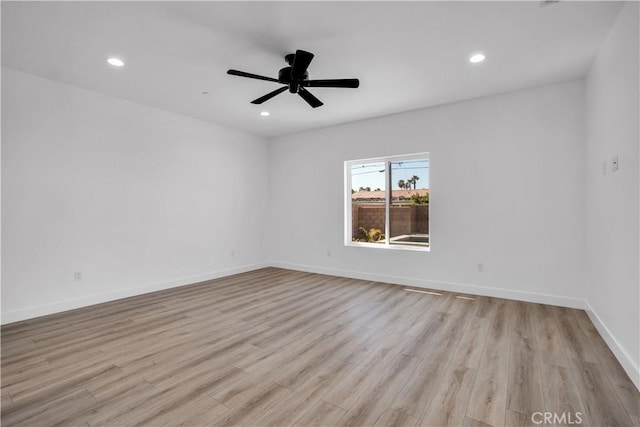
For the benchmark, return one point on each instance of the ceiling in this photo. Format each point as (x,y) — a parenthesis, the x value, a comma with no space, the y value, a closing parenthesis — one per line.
(407,55)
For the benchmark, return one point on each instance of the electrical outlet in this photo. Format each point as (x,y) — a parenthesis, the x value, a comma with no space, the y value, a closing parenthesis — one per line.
(77,276)
(614,164)
(480,267)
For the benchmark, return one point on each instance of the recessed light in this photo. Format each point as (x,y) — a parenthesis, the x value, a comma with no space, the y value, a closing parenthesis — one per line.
(476,57)
(116,62)
(265,113)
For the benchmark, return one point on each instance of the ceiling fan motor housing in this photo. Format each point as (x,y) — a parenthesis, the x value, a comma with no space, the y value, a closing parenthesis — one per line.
(284,76)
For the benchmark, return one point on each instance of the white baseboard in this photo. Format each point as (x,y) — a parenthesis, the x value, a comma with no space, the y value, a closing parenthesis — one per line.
(442,286)
(628,364)
(59,306)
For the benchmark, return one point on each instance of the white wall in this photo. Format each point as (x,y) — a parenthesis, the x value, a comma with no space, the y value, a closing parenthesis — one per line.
(135,198)
(507,190)
(612,198)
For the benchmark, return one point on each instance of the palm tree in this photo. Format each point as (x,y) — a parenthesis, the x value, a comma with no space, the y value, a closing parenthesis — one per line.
(410,181)
(401,184)
(414,180)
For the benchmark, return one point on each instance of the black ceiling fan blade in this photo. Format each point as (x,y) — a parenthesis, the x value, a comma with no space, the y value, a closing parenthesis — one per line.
(307,96)
(300,64)
(251,76)
(269,95)
(349,83)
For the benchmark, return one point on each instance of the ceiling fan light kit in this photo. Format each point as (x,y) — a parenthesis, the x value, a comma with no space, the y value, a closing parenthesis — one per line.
(295,77)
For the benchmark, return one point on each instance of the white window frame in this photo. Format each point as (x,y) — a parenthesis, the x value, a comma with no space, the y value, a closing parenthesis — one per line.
(348,216)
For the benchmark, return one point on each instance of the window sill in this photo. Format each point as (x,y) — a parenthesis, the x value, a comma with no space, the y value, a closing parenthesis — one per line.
(396,247)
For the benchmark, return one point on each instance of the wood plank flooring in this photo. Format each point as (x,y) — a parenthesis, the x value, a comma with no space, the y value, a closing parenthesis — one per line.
(275,347)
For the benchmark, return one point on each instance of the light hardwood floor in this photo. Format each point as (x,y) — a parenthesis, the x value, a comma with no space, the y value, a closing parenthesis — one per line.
(275,347)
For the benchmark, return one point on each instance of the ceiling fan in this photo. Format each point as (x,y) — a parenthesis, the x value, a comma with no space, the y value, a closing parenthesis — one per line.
(296,78)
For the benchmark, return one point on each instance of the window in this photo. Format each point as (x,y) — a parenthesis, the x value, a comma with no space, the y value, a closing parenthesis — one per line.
(387,202)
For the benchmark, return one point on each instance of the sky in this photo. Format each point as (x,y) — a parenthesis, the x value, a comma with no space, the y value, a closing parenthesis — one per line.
(372,174)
